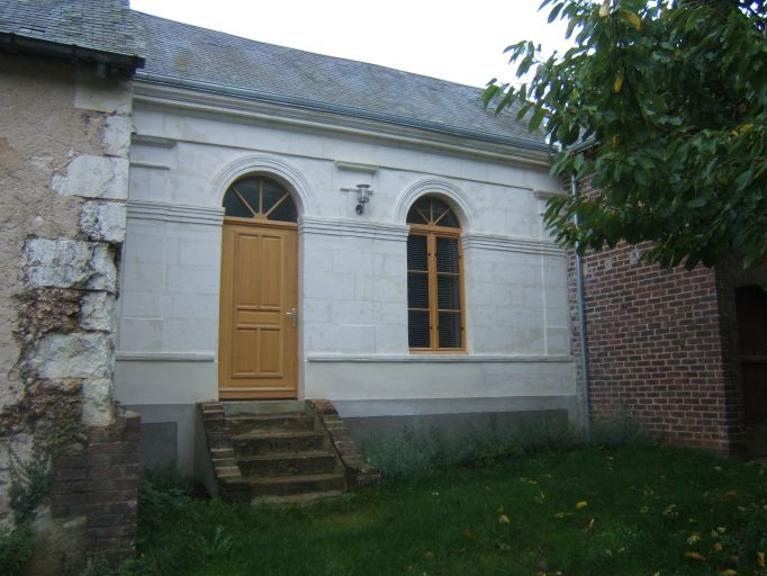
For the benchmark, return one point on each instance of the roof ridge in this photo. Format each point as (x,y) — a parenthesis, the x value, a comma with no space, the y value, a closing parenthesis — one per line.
(302,51)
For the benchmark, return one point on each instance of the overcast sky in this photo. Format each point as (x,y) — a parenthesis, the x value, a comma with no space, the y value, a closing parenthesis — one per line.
(457,40)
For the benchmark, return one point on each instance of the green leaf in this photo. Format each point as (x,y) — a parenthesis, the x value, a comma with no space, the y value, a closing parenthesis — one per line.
(489,93)
(555,12)
(578,161)
(537,118)
(743,179)
(682,148)
(571,24)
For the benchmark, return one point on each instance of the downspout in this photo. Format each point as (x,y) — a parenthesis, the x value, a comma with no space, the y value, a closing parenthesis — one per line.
(582,323)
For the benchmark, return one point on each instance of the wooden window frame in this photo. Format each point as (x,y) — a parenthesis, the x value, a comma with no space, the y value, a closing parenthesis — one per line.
(433,232)
(258,215)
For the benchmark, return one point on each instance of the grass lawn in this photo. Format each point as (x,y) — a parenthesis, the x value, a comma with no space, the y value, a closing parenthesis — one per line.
(635,510)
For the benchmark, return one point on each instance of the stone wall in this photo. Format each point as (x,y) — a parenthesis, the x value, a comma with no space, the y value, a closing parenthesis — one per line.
(64,138)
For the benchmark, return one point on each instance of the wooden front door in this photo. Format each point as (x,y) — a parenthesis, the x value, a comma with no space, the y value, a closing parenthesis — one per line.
(258,348)
(752,347)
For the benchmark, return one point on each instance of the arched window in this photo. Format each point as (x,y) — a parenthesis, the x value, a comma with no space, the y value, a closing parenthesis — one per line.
(260,198)
(434,278)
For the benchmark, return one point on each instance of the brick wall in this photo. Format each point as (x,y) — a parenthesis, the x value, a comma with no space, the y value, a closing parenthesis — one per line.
(656,349)
(97,486)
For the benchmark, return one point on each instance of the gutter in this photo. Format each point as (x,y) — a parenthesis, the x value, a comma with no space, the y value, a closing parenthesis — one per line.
(14,43)
(305,104)
(583,336)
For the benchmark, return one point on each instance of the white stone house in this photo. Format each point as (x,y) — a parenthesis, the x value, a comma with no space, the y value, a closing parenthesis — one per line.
(248,270)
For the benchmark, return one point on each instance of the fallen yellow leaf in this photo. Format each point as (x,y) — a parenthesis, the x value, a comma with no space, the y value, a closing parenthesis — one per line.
(718,546)
(695,556)
(760,559)
(582,504)
(618,84)
(632,18)
(728,572)
(503,519)
(694,537)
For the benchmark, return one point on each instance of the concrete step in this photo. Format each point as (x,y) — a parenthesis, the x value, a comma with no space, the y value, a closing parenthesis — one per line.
(270,442)
(264,407)
(298,484)
(243,423)
(296,499)
(285,464)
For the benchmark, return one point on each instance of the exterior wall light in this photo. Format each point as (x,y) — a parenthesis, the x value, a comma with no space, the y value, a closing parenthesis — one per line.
(363,196)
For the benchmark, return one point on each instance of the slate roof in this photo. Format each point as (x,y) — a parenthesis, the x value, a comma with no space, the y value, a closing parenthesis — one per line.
(183,54)
(99,25)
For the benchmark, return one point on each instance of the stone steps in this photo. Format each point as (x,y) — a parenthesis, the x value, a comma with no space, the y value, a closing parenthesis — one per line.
(288,463)
(244,423)
(281,452)
(270,442)
(296,499)
(297,484)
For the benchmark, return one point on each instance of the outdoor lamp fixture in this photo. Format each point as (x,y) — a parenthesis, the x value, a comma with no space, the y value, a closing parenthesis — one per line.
(363,196)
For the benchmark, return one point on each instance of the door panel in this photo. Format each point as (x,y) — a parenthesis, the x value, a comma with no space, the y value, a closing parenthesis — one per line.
(258,342)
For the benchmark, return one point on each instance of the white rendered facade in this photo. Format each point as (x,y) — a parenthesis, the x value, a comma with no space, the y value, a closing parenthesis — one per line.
(353,337)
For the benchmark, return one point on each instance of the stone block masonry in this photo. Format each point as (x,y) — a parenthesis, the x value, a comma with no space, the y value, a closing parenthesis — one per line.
(63,185)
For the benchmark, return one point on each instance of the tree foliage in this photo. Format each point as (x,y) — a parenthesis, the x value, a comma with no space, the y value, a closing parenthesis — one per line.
(662,105)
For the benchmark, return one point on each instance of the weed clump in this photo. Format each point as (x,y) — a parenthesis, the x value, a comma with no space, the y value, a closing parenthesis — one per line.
(408,455)
(15,551)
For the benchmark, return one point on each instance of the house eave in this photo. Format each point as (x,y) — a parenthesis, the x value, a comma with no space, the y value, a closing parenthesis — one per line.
(203,98)
(18,44)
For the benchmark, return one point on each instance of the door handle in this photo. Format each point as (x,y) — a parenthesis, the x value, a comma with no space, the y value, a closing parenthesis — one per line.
(293,315)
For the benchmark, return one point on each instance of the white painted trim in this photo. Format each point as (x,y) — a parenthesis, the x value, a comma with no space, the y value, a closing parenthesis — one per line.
(548,194)
(264,164)
(161,356)
(355,167)
(164,212)
(511,244)
(156,141)
(150,165)
(465,210)
(193,100)
(347,227)
(437,358)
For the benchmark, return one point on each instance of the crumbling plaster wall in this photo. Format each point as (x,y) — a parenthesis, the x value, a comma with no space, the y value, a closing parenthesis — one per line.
(64,138)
